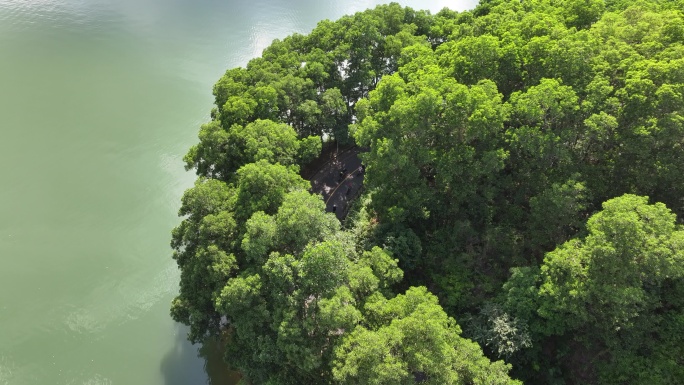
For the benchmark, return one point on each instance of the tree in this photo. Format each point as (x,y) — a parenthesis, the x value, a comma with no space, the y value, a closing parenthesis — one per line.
(204,266)
(262,186)
(207,242)
(301,289)
(410,339)
(492,136)
(221,152)
(610,295)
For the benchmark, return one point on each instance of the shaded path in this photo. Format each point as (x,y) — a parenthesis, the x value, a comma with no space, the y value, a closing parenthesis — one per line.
(339,181)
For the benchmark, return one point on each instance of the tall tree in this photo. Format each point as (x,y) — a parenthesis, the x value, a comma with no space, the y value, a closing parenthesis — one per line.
(410,340)
(614,298)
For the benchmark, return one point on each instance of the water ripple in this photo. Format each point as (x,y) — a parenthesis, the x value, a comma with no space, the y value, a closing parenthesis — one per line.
(6,370)
(109,305)
(97,380)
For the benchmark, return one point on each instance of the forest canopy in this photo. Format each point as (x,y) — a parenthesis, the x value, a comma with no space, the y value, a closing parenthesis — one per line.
(521,214)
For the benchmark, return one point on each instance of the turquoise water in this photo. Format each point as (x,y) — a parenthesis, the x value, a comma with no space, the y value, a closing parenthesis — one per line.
(99,100)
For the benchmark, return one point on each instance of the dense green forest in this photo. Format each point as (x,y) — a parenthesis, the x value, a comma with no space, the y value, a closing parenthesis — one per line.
(524,176)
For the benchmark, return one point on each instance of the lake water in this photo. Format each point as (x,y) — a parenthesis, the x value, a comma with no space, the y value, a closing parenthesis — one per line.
(99,100)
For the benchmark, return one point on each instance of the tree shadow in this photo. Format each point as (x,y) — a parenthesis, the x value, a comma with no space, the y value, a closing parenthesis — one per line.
(218,371)
(188,364)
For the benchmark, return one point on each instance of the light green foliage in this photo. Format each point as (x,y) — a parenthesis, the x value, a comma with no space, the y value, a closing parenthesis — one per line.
(473,58)
(302,219)
(383,267)
(260,234)
(262,186)
(323,268)
(238,109)
(309,149)
(221,152)
(209,196)
(265,140)
(412,341)
(632,248)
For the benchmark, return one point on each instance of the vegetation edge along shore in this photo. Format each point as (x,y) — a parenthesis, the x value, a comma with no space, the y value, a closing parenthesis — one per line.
(519,218)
